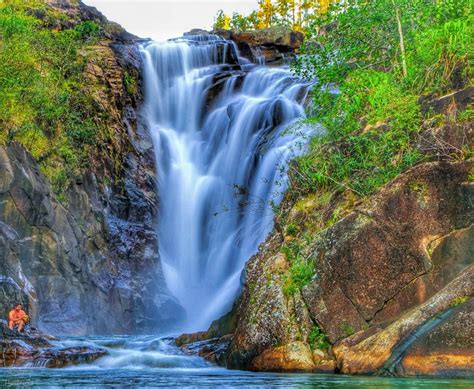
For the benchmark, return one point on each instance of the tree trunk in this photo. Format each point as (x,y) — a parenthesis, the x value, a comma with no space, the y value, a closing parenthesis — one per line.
(402,40)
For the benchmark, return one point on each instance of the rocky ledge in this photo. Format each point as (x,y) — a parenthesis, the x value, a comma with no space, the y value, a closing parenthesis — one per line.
(35,349)
(274,46)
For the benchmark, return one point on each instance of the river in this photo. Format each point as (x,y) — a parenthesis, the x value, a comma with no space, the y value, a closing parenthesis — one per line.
(150,361)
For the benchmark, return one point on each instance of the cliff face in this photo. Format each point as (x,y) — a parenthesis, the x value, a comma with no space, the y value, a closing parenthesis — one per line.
(88,263)
(391,280)
(382,284)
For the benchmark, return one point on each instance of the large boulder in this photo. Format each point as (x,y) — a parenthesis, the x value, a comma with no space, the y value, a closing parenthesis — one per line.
(426,340)
(293,357)
(275,45)
(383,258)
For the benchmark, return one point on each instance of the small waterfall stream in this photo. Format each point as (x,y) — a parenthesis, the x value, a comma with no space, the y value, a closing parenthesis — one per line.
(221,163)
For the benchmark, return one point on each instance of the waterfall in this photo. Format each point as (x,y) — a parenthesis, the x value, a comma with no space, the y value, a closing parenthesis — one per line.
(221,163)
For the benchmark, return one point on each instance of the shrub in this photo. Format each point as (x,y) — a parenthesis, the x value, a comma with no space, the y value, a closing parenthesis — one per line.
(317,339)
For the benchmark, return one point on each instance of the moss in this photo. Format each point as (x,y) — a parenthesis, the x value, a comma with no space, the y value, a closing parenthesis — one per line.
(131,85)
(470,176)
(299,275)
(45,99)
(347,329)
(460,300)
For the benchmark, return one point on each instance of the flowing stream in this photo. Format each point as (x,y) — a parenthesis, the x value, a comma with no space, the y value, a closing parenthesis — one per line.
(151,362)
(221,163)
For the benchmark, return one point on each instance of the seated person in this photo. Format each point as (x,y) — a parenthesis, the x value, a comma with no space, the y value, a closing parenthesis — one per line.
(17,318)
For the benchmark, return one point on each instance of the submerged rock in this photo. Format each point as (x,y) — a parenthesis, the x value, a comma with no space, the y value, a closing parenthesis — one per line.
(213,350)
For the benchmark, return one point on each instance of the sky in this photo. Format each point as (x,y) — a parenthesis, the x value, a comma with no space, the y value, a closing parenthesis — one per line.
(164,19)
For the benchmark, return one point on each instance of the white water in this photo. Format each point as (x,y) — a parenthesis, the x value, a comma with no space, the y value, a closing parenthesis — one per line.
(204,156)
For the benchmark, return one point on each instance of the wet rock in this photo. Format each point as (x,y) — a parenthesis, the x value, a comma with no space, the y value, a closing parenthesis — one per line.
(32,348)
(218,83)
(213,350)
(20,354)
(446,350)
(185,339)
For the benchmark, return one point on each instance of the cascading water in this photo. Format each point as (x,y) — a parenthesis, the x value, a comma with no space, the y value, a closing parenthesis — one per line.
(221,163)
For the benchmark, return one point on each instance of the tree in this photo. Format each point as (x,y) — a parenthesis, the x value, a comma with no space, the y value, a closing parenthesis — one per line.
(266,12)
(254,20)
(222,20)
(282,8)
(240,22)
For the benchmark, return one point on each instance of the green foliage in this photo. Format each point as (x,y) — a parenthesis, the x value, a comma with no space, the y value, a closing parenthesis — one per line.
(88,31)
(362,95)
(130,83)
(301,270)
(222,20)
(42,105)
(290,13)
(291,229)
(317,339)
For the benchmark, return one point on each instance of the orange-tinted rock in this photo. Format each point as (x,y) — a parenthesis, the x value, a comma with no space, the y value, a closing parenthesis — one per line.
(267,317)
(294,356)
(375,263)
(191,338)
(384,349)
(448,350)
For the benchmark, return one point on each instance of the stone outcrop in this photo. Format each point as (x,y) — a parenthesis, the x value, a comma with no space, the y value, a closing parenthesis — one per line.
(88,263)
(382,258)
(418,335)
(391,282)
(382,273)
(275,45)
(35,349)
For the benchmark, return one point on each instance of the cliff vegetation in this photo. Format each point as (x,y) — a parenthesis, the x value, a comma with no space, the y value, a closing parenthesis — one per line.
(47,101)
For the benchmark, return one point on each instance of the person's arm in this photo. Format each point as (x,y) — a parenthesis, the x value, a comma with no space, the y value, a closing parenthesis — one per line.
(11,316)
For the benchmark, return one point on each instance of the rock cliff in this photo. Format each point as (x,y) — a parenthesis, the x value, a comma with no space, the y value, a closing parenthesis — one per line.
(383,285)
(88,263)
